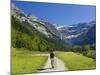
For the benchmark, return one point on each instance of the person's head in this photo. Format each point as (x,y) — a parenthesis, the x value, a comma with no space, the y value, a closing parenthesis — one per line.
(51,50)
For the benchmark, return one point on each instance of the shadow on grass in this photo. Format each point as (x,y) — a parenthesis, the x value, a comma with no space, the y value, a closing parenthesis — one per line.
(44,69)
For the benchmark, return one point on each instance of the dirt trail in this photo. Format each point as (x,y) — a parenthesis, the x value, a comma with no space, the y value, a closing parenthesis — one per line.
(59,66)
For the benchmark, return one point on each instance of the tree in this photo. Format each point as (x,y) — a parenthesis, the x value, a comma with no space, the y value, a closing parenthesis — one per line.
(85,49)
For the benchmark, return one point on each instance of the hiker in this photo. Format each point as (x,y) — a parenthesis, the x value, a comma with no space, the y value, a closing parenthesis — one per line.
(52,58)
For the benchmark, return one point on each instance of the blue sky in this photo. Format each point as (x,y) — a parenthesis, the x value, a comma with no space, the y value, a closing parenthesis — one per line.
(62,14)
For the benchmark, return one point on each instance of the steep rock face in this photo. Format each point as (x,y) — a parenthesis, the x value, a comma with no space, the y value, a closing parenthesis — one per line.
(82,33)
(43,27)
(89,37)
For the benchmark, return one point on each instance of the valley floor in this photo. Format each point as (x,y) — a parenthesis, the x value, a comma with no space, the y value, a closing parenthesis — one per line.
(29,62)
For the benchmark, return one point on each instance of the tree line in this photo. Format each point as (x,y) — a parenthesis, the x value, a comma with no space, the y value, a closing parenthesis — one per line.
(86,50)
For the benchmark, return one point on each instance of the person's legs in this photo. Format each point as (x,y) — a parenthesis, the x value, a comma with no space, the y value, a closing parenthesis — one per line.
(52,62)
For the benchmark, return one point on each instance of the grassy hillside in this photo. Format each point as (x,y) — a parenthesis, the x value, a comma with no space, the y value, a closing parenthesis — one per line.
(75,61)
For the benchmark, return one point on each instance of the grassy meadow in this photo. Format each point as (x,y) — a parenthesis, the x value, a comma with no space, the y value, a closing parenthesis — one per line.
(24,62)
(75,61)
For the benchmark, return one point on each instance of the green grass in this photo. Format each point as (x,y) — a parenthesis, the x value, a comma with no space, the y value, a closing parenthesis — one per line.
(22,51)
(75,61)
(26,63)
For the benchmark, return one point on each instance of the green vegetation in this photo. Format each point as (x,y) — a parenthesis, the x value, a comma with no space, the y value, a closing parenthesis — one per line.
(26,63)
(27,41)
(86,50)
(26,36)
(22,51)
(76,61)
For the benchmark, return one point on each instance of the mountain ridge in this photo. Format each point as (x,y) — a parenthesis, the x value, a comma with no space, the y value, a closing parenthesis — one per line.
(64,34)
(31,33)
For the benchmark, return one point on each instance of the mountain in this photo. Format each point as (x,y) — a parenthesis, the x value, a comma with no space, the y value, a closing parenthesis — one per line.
(81,33)
(29,31)
(89,37)
(33,33)
(44,27)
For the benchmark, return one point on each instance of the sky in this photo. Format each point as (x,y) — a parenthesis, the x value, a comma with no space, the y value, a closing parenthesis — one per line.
(61,14)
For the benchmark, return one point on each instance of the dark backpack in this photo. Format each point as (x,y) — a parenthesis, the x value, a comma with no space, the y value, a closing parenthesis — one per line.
(51,55)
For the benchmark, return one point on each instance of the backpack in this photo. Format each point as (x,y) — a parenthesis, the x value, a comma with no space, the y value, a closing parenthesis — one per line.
(51,55)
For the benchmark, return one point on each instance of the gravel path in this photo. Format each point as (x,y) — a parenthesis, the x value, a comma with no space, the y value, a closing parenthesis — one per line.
(59,65)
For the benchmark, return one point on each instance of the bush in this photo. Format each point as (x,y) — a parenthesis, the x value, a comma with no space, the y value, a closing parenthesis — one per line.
(91,54)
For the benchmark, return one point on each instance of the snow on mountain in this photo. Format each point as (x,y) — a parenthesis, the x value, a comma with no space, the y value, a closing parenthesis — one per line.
(75,30)
(73,36)
(59,27)
(79,33)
